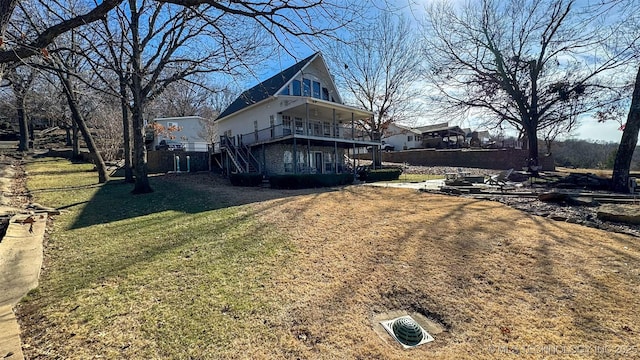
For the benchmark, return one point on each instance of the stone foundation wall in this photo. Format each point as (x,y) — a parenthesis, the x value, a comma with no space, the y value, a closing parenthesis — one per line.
(272,158)
(498,159)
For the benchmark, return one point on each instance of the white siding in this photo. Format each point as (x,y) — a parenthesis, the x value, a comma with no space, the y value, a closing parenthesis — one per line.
(242,122)
(191,129)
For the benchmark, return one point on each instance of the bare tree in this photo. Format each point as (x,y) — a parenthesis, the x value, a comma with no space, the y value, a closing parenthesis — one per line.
(379,66)
(531,64)
(6,9)
(166,42)
(160,58)
(79,119)
(18,48)
(629,140)
(20,79)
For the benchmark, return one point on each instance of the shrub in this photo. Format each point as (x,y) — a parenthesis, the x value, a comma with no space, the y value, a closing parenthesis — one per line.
(303,181)
(386,174)
(246,179)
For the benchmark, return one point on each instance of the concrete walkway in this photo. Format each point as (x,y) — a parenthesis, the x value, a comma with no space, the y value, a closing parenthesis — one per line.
(423,185)
(20,263)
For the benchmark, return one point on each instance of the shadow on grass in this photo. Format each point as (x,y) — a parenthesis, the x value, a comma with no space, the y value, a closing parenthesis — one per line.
(190,194)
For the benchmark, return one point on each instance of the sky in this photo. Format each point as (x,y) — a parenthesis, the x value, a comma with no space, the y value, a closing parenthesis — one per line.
(590,129)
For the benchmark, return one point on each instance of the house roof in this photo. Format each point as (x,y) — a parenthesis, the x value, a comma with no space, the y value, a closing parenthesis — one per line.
(266,88)
(405,128)
(434,127)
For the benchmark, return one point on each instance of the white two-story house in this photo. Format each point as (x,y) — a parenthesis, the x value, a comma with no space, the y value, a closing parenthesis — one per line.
(294,122)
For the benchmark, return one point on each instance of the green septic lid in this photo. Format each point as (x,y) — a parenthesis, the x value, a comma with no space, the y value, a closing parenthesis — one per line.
(407,331)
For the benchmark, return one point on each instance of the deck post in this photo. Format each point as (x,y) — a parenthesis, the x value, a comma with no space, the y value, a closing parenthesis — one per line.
(353,133)
(306,125)
(335,144)
(264,160)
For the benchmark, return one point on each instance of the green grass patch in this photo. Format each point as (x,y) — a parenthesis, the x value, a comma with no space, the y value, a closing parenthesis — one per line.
(416,178)
(171,274)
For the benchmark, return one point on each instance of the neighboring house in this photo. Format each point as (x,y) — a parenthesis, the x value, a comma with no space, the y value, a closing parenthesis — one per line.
(438,136)
(294,122)
(402,137)
(188,130)
(442,136)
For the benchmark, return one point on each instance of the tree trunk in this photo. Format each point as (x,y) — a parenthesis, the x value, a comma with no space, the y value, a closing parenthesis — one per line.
(75,141)
(531,134)
(67,129)
(6,9)
(142,185)
(628,142)
(22,122)
(126,133)
(103,176)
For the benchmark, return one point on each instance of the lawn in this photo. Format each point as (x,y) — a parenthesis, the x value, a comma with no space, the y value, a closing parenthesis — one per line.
(202,270)
(417,178)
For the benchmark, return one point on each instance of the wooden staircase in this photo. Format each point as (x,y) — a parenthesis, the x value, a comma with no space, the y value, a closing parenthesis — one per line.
(241,157)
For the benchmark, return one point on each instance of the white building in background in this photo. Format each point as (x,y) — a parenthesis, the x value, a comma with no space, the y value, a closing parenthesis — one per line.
(190,131)
(402,137)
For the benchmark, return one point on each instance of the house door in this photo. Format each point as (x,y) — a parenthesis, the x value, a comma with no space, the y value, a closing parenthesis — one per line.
(318,162)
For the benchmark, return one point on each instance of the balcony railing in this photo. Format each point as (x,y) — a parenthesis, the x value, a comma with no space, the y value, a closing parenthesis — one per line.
(312,130)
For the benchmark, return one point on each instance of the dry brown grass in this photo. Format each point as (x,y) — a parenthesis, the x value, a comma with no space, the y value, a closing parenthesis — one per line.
(303,275)
(600,172)
(497,279)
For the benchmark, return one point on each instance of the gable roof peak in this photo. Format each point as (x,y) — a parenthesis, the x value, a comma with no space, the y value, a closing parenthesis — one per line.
(267,88)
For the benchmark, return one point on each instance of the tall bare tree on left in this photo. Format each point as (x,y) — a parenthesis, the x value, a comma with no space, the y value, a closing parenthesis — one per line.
(6,9)
(20,79)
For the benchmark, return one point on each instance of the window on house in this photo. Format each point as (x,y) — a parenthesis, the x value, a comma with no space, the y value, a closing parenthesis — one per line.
(316,90)
(285,91)
(299,126)
(409,138)
(328,163)
(272,124)
(327,128)
(302,164)
(325,94)
(317,129)
(295,84)
(306,87)
(286,125)
(288,162)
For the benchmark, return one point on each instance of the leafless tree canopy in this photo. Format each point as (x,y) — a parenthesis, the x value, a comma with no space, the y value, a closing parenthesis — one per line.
(379,67)
(532,64)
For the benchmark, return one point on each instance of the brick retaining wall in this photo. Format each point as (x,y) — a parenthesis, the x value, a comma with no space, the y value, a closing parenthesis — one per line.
(498,159)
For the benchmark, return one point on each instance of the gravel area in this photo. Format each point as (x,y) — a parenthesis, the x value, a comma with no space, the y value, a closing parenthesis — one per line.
(583,215)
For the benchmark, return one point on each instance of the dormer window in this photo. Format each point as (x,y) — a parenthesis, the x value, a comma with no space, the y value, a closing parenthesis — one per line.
(296,87)
(316,90)
(325,94)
